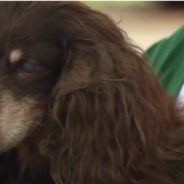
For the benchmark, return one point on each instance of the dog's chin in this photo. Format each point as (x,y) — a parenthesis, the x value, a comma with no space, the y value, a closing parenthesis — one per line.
(11,136)
(18,119)
(8,142)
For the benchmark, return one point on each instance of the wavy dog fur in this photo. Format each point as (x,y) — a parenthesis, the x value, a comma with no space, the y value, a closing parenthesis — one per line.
(108,120)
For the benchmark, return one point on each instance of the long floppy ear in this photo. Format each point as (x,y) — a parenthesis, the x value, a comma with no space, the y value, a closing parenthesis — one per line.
(110,113)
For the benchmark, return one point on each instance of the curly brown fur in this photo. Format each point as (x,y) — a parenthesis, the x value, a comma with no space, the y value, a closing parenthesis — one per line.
(93,112)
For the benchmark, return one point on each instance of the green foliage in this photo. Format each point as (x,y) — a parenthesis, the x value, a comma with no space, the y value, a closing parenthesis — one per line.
(119,4)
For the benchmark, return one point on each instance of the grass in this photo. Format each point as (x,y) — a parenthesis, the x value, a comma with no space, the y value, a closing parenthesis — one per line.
(119,4)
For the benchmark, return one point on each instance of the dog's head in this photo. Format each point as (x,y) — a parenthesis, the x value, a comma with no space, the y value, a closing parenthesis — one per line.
(33,54)
(71,66)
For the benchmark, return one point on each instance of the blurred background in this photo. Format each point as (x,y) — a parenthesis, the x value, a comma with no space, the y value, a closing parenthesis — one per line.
(145,22)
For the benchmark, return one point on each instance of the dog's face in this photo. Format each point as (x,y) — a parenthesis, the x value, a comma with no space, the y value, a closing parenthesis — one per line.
(31,62)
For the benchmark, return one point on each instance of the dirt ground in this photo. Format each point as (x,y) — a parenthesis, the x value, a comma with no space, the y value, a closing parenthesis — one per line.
(147,27)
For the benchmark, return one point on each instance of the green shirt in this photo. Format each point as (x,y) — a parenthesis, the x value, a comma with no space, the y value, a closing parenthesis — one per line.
(167,60)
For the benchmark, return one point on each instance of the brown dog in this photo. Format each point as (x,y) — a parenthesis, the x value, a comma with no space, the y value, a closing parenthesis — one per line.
(79,104)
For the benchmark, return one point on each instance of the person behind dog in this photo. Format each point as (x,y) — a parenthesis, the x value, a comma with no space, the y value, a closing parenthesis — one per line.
(167,61)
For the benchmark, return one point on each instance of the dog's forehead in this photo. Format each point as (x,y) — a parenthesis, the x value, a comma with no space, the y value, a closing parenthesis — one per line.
(30,45)
(35,35)
(41,52)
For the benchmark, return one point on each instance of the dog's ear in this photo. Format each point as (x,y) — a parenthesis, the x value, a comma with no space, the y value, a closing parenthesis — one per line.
(109,111)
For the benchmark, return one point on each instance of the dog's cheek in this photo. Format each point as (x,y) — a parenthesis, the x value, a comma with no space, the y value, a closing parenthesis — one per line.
(17,119)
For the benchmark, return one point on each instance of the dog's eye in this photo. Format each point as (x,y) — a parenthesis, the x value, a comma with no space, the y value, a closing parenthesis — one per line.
(29,67)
